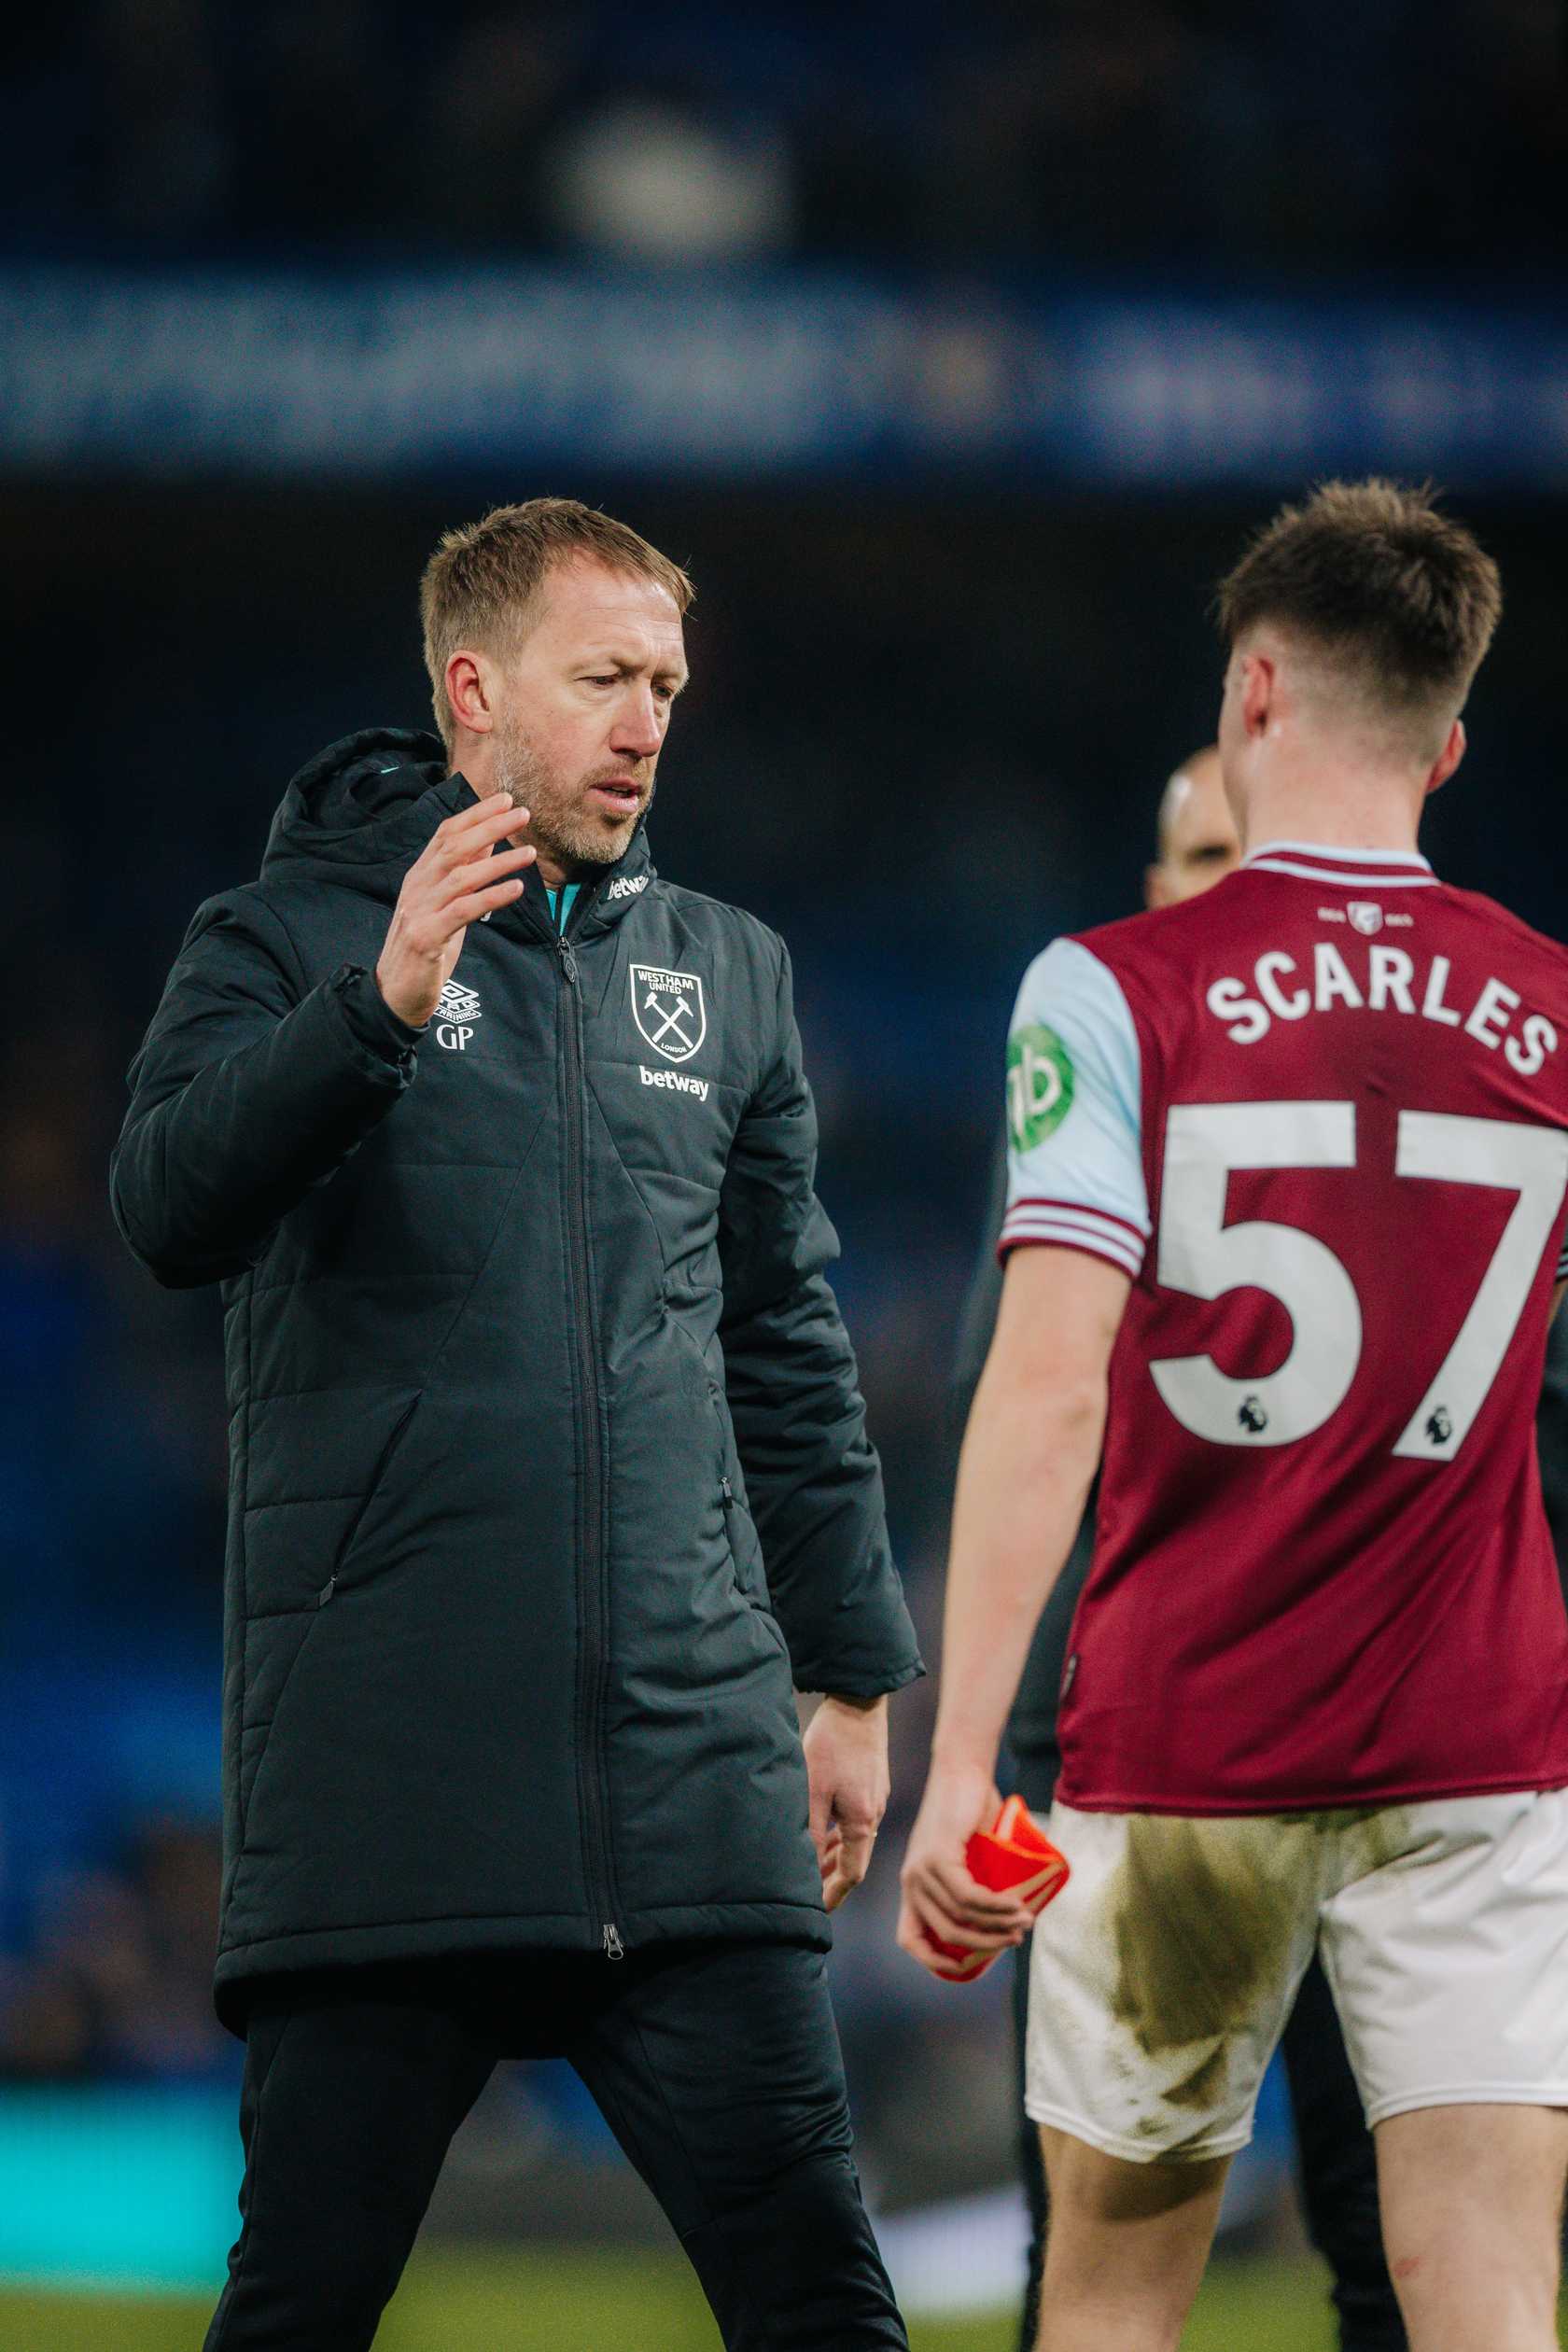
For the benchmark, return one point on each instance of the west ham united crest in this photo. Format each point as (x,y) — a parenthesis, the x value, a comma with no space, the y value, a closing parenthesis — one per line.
(669,1010)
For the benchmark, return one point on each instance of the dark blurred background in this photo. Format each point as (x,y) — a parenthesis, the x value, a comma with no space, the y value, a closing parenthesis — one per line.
(955,350)
(1185,133)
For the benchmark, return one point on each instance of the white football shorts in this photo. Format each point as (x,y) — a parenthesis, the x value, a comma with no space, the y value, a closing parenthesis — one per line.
(1162,1975)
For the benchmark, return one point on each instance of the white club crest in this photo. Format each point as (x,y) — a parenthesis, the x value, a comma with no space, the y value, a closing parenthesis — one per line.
(1366,915)
(669,1010)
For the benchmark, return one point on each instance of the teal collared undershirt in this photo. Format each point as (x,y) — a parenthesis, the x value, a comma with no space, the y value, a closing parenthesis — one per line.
(561,903)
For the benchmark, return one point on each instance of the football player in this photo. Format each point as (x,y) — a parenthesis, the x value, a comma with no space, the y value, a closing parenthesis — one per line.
(1196,845)
(1288,1176)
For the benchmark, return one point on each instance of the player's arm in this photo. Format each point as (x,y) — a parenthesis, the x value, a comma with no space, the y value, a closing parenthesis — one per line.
(1029,1455)
(1073,1237)
(252,1086)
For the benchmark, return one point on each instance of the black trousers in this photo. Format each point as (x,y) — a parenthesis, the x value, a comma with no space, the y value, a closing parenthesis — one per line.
(1336,2165)
(716,2066)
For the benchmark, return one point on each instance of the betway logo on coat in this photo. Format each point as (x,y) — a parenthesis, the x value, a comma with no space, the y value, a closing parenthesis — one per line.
(676,1080)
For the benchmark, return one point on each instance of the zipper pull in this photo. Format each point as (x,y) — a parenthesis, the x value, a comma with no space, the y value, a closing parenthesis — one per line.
(613,1947)
(568,962)
(727,1491)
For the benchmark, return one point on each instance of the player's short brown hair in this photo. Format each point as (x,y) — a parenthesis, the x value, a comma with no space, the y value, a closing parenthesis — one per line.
(484,578)
(1400,597)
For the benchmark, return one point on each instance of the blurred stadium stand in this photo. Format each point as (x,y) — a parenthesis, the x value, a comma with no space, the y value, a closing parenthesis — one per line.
(1094,132)
(955,351)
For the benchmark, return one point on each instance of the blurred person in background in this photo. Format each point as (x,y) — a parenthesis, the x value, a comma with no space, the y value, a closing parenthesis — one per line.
(551,1479)
(1318,1688)
(1198,846)
(119,1981)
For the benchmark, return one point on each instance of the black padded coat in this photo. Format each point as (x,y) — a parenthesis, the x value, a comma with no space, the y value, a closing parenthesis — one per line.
(549,1472)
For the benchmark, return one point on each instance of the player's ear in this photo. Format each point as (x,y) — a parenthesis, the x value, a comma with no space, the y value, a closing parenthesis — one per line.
(469,692)
(1449,756)
(1157,890)
(1259,686)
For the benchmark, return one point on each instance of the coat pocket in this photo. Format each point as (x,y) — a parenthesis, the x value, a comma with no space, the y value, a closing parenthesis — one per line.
(318,1463)
(746,1570)
(344,1563)
(275,1638)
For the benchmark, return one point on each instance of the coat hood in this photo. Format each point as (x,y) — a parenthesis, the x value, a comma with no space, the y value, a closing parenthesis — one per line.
(353,801)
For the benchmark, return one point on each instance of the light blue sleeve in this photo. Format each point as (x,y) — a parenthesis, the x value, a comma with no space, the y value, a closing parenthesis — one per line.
(1074,1112)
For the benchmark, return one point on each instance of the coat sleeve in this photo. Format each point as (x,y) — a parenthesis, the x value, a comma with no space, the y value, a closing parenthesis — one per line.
(249,1088)
(812,1474)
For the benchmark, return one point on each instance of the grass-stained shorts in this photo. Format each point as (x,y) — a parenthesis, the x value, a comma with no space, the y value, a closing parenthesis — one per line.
(1162,1975)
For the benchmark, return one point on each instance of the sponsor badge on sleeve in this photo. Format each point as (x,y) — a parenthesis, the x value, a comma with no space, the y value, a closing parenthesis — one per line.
(1039,1085)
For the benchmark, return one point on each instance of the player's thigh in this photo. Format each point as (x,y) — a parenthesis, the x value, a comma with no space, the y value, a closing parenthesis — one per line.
(1446,1946)
(1162,1975)
(1472,2201)
(1127,2242)
(1336,2167)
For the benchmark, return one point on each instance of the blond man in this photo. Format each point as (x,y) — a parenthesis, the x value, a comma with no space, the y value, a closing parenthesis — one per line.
(550,1479)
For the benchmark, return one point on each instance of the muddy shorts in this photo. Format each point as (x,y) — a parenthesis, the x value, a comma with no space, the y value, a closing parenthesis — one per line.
(1162,1975)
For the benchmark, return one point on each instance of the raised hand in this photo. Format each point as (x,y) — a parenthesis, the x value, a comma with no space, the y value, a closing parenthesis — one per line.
(453,880)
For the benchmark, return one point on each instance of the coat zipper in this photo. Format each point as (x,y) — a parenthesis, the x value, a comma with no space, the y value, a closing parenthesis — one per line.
(592,1595)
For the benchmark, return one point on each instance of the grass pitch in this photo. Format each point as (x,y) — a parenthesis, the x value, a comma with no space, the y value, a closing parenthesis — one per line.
(561,2302)
(580,2301)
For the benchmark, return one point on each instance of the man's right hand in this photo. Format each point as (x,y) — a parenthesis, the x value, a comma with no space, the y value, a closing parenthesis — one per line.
(944,1903)
(453,881)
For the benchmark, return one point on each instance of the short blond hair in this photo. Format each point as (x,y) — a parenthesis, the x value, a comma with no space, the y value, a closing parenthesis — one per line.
(484,578)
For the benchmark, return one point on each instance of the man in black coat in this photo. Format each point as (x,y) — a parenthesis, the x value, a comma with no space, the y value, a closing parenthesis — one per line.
(550,1478)
(1197,844)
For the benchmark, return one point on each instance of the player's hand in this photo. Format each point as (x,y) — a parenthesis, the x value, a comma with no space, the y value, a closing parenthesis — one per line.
(453,880)
(847,1770)
(939,1897)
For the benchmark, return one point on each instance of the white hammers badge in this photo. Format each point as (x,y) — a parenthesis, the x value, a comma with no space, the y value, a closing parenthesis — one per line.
(669,1010)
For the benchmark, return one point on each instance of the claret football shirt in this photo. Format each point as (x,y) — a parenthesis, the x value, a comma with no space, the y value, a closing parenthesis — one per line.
(1320,1116)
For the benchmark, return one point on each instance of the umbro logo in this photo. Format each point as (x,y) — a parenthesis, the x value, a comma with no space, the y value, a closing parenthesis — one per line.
(456,1011)
(459,1004)
(626,885)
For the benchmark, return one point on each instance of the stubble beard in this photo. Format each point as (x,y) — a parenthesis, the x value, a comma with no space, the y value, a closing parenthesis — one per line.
(557,822)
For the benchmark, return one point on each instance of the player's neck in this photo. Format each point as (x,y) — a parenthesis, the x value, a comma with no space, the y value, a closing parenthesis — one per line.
(1336,808)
